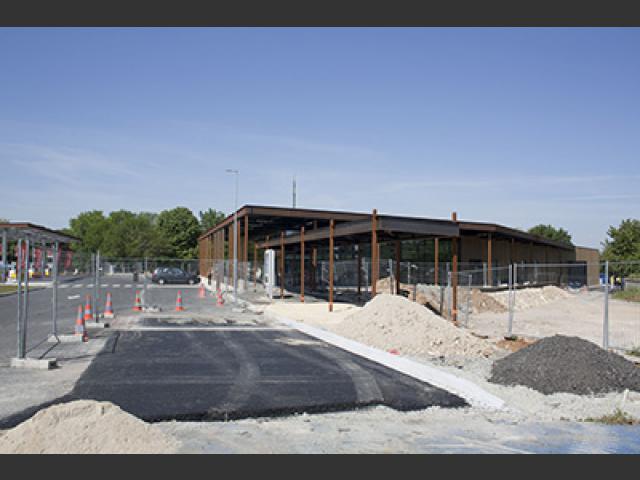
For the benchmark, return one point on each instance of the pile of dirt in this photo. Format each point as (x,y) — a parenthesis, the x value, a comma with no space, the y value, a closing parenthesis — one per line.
(494,302)
(394,322)
(85,426)
(566,364)
(529,297)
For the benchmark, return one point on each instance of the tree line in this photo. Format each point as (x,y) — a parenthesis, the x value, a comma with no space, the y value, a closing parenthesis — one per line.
(123,234)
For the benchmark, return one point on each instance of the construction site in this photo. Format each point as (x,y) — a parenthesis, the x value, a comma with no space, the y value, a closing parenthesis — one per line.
(366,319)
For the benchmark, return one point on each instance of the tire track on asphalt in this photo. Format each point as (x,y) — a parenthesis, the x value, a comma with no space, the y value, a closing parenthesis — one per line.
(365,384)
(246,378)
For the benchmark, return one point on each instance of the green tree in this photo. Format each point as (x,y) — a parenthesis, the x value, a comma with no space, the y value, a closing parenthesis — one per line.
(210,218)
(181,229)
(552,233)
(623,245)
(90,228)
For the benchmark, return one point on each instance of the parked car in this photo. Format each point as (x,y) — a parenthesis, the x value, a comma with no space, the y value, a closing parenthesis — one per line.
(164,275)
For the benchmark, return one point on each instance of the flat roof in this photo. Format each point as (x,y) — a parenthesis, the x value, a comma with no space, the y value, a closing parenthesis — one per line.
(17,230)
(269,220)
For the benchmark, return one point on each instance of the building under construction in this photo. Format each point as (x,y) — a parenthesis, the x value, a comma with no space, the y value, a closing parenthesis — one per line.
(430,250)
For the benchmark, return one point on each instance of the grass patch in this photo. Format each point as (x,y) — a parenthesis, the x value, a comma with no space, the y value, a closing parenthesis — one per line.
(616,418)
(12,288)
(7,288)
(635,351)
(630,295)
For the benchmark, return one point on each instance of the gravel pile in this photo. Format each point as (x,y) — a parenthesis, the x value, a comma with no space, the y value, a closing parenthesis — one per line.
(566,364)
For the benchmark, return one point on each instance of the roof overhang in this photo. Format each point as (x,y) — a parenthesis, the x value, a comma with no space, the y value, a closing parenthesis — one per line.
(481,228)
(37,233)
(387,227)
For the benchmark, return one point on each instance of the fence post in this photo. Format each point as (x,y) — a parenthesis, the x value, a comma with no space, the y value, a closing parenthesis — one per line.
(605,321)
(466,316)
(510,327)
(484,274)
(448,292)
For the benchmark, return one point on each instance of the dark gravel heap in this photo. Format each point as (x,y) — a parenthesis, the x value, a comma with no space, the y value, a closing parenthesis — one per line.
(566,364)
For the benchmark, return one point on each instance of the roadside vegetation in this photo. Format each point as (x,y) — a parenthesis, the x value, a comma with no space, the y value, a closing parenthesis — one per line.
(618,417)
(629,295)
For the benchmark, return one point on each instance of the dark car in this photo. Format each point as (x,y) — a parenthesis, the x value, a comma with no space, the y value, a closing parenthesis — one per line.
(164,275)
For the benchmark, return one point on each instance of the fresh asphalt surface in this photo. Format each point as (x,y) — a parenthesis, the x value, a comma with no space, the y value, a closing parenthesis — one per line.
(230,370)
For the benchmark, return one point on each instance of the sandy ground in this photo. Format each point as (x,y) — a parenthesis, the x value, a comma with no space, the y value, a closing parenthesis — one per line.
(85,426)
(317,313)
(383,430)
(580,314)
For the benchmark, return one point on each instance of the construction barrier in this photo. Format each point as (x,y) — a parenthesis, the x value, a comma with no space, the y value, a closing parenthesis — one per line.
(108,308)
(87,309)
(137,307)
(179,307)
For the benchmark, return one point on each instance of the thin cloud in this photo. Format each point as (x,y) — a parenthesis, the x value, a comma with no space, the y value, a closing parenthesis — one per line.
(66,165)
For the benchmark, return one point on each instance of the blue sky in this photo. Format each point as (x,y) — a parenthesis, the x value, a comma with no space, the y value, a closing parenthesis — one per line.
(515,126)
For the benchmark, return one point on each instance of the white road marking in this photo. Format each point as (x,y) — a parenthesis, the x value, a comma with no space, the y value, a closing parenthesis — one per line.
(104,285)
(73,297)
(221,328)
(90,285)
(78,286)
(128,285)
(116,285)
(63,286)
(139,285)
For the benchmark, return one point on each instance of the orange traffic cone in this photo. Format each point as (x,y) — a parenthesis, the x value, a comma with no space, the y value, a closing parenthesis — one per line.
(138,305)
(219,301)
(88,316)
(108,308)
(179,307)
(201,291)
(81,328)
(79,321)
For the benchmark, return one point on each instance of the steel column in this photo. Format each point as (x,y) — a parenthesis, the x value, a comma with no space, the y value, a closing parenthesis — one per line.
(19,274)
(398,259)
(54,298)
(255,264)
(4,256)
(359,262)
(454,284)
(331,254)
(436,259)
(605,320)
(281,265)
(246,250)
(302,264)
(489,260)
(374,252)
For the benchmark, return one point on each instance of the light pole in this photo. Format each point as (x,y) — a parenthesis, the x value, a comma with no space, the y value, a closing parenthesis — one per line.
(235,238)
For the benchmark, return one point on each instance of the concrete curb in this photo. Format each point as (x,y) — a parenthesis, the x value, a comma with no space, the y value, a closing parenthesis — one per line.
(473,394)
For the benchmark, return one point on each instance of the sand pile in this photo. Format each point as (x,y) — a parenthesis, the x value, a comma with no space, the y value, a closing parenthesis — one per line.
(85,426)
(495,302)
(530,297)
(566,364)
(393,322)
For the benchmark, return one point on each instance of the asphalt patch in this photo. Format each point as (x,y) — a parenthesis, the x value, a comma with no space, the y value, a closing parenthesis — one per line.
(224,375)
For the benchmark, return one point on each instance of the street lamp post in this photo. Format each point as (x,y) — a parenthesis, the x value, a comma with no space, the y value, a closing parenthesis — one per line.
(235,238)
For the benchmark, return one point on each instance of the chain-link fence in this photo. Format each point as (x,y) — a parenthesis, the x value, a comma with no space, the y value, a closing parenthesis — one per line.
(595,301)
(529,300)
